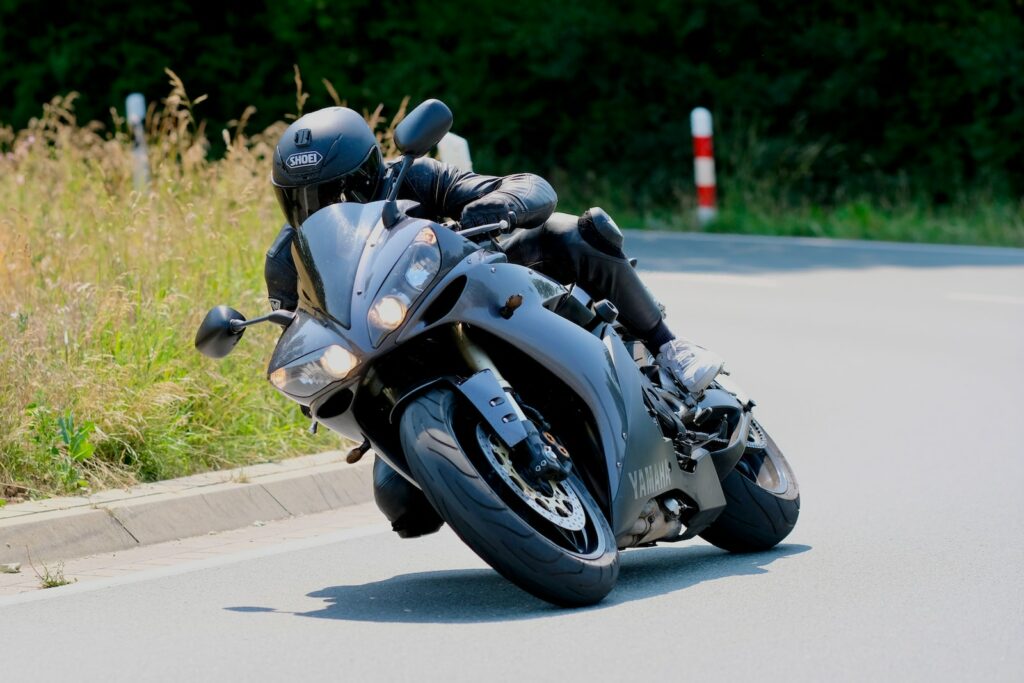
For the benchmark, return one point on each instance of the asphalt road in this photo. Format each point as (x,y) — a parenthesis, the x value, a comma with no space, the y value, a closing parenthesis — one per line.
(891,376)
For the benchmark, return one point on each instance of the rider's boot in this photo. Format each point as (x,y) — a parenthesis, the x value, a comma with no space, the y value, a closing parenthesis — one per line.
(693,366)
(405,506)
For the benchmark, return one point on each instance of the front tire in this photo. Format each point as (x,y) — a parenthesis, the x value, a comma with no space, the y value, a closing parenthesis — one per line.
(762,499)
(444,443)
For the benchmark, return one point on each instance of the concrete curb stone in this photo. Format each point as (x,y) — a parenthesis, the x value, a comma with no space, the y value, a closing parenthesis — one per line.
(64,528)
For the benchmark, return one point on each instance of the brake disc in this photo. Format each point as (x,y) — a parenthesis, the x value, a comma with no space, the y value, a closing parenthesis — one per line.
(757,440)
(561,507)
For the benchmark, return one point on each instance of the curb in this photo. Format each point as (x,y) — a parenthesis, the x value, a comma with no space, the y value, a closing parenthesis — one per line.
(65,528)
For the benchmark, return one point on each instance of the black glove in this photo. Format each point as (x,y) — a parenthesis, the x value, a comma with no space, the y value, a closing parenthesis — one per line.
(487,209)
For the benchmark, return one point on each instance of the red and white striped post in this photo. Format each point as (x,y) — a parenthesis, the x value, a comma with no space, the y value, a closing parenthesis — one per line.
(703,165)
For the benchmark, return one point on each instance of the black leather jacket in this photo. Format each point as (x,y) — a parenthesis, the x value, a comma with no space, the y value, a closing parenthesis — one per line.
(444,191)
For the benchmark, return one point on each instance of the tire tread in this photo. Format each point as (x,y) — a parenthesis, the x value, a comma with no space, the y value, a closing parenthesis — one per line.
(754,519)
(466,501)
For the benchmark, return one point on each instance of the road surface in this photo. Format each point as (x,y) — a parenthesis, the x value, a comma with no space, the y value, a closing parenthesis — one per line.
(891,375)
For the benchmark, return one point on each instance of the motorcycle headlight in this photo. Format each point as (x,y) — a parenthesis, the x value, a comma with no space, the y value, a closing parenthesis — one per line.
(388,312)
(409,278)
(311,373)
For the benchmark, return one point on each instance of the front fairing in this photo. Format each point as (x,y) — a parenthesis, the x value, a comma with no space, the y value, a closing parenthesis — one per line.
(327,250)
(343,254)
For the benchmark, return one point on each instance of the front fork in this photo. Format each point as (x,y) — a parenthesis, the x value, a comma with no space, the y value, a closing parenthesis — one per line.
(540,454)
(478,361)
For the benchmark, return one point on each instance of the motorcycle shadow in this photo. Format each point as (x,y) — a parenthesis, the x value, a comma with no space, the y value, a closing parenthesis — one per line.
(481,595)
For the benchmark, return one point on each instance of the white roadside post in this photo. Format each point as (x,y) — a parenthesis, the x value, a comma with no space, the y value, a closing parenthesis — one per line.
(703,165)
(135,110)
(454,150)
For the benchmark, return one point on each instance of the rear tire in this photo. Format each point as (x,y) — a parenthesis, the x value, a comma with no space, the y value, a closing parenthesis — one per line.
(762,500)
(567,568)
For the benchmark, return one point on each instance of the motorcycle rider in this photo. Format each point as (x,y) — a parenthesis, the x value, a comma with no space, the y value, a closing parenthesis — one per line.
(332,155)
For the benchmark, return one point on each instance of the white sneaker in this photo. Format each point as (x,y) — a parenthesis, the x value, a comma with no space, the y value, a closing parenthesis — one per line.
(694,366)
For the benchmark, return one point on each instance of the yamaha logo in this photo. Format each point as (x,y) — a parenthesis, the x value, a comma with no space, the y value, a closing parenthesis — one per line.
(304,159)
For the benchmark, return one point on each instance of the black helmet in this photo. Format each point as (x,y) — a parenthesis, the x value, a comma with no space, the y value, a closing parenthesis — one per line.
(325,157)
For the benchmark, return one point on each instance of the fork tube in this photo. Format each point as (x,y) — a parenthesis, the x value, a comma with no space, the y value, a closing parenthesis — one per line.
(478,360)
(475,357)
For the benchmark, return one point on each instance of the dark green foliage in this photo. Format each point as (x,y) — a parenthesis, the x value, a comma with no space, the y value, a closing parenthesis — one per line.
(845,97)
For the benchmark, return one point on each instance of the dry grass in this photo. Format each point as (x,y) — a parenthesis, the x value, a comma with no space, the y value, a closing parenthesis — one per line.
(101,290)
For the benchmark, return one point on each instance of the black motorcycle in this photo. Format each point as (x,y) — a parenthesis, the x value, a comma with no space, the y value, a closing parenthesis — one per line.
(457,368)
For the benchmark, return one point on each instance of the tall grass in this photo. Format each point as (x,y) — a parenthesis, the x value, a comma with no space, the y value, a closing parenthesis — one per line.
(102,288)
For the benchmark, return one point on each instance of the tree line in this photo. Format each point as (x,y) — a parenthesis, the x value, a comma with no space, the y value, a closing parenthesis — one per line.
(831,97)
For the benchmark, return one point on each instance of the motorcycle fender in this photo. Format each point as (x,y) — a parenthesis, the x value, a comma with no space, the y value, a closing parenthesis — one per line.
(726,458)
(485,394)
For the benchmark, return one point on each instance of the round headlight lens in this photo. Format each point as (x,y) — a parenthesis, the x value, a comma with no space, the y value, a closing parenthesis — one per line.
(279,378)
(424,262)
(338,361)
(389,312)
(417,275)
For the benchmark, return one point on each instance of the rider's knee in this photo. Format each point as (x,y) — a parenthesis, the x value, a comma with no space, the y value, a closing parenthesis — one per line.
(279,272)
(405,506)
(594,234)
(598,230)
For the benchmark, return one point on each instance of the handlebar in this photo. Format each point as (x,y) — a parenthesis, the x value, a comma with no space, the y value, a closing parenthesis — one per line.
(500,226)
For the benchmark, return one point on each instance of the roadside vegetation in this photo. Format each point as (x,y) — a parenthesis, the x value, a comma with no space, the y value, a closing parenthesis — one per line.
(969,220)
(102,287)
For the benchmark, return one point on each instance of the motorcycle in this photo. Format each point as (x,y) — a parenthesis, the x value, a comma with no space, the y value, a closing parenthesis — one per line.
(421,341)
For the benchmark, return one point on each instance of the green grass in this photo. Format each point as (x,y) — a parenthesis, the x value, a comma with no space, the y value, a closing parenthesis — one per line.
(980,219)
(992,223)
(102,288)
(53,577)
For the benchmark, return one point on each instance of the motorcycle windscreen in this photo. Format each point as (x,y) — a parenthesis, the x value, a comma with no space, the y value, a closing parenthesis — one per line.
(327,249)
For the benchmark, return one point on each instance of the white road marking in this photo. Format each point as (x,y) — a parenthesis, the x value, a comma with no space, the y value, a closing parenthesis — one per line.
(986,298)
(1010,253)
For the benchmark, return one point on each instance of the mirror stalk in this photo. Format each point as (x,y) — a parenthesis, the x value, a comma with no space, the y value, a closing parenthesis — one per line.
(279,317)
(391,214)
(404,165)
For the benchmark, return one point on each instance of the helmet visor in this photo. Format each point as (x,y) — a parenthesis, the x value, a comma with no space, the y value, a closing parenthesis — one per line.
(359,185)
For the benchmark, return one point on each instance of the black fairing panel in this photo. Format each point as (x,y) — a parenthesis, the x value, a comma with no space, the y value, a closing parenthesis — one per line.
(327,250)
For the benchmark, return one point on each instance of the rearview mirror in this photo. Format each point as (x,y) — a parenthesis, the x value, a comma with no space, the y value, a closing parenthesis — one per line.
(216,337)
(423,128)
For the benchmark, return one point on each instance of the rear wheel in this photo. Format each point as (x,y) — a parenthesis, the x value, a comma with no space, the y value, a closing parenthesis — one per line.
(552,540)
(762,499)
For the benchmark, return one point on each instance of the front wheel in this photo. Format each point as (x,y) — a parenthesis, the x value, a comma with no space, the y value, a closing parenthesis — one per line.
(555,543)
(762,499)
